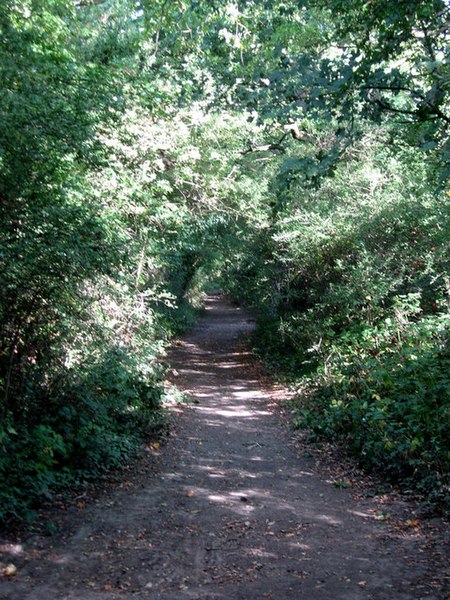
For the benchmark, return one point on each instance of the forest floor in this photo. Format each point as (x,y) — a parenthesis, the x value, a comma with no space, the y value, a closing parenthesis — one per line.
(232,505)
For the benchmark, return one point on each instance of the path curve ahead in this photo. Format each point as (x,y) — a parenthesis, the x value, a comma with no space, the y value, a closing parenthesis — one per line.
(231,510)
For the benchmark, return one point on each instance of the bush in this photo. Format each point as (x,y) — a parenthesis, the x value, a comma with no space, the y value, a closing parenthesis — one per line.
(387,396)
(350,282)
(95,421)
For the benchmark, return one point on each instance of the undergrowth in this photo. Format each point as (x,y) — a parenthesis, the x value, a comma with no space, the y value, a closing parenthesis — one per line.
(387,398)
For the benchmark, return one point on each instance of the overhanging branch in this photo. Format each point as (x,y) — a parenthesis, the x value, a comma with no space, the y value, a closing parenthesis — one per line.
(291,129)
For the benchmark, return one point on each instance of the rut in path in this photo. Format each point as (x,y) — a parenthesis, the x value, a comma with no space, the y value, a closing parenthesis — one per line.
(231,511)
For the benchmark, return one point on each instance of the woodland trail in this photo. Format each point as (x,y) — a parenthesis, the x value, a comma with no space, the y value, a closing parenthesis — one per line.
(228,508)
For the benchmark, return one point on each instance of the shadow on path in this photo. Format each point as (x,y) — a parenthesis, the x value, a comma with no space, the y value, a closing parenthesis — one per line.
(233,512)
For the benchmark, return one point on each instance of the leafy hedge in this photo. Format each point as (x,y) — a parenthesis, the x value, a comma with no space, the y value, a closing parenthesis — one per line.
(350,282)
(295,153)
(387,397)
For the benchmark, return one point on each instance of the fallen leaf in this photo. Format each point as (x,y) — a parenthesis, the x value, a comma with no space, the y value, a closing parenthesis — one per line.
(10,570)
(413,522)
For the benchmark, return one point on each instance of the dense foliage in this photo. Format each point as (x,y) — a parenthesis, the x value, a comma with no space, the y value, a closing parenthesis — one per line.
(294,153)
(351,273)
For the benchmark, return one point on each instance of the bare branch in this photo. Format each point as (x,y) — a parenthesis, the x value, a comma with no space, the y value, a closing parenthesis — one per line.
(394,88)
(431,110)
(265,148)
(85,3)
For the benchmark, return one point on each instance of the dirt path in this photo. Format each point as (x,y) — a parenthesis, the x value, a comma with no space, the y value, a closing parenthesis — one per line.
(228,509)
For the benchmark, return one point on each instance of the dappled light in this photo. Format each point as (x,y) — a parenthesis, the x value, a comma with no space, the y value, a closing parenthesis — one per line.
(197,199)
(231,511)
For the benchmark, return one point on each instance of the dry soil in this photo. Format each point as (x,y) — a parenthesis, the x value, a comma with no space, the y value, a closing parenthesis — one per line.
(229,507)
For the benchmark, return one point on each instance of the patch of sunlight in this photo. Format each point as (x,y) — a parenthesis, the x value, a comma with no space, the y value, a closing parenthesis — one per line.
(214,423)
(299,546)
(235,413)
(360,514)
(329,520)
(300,474)
(174,476)
(13,549)
(236,504)
(238,412)
(63,559)
(261,553)
(219,498)
(257,493)
(243,394)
